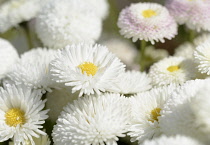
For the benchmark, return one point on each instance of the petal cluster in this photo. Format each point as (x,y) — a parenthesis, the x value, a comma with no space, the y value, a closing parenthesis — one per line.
(14,12)
(33,69)
(93,120)
(147,21)
(173,140)
(8,57)
(67,22)
(21,114)
(172,70)
(193,13)
(146,111)
(202,57)
(87,68)
(132,82)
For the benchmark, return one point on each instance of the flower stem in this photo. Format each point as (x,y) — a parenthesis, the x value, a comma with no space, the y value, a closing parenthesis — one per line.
(113,16)
(27,34)
(191,35)
(142,54)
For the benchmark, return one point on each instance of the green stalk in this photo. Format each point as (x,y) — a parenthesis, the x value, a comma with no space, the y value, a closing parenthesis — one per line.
(27,32)
(191,35)
(113,16)
(142,54)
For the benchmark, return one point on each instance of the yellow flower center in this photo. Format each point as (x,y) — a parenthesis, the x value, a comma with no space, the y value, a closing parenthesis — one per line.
(148,13)
(14,117)
(173,68)
(89,68)
(155,113)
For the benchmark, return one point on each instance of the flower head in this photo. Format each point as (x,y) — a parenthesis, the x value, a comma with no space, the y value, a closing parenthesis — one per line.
(8,57)
(146,110)
(172,70)
(87,68)
(42,140)
(180,113)
(147,21)
(173,140)
(132,82)
(185,50)
(123,49)
(101,7)
(93,120)
(202,57)
(179,9)
(200,107)
(193,13)
(22,114)
(14,12)
(201,39)
(33,69)
(155,54)
(67,22)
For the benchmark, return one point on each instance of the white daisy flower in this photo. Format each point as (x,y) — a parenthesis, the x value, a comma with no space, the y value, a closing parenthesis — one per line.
(132,82)
(147,21)
(124,50)
(155,54)
(201,39)
(185,50)
(87,68)
(101,7)
(152,55)
(173,140)
(193,13)
(172,70)
(33,69)
(200,107)
(67,22)
(8,57)
(42,140)
(202,57)
(180,9)
(146,110)
(178,115)
(14,12)
(21,114)
(93,120)
(199,19)
(62,97)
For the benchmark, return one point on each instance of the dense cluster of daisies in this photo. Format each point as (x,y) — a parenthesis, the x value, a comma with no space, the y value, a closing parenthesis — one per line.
(89,90)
